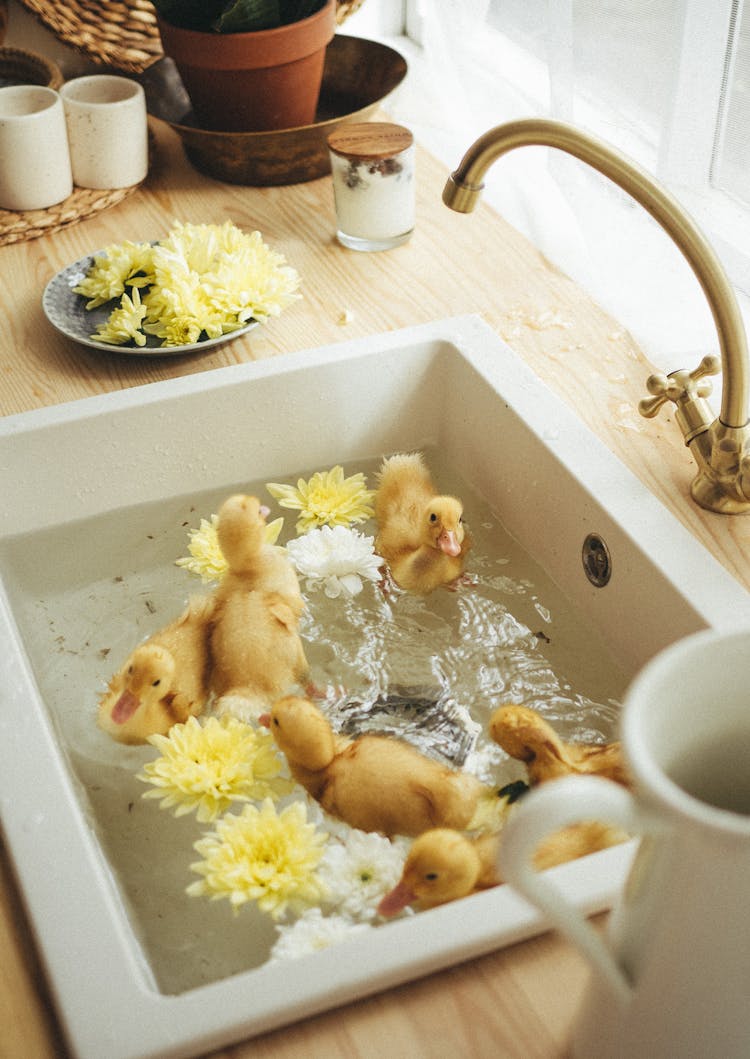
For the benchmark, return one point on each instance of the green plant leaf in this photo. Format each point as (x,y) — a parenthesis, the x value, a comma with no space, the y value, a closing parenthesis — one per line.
(191,14)
(241,16)
(235,16)
(296,10)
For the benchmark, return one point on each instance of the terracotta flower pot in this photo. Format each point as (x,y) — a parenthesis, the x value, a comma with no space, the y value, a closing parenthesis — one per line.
(248,82)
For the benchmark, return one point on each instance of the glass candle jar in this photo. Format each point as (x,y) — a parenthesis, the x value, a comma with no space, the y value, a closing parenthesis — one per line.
(373,184)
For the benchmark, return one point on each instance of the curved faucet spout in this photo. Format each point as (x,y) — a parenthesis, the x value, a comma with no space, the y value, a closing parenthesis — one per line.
(722,447)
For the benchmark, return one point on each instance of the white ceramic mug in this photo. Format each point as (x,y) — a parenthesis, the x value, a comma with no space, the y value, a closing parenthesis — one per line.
(672,978)
(35,170)
(107,130)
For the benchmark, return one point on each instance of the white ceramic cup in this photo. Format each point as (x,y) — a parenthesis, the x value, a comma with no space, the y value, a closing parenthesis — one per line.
(107,130)
(34,160)
(672,977)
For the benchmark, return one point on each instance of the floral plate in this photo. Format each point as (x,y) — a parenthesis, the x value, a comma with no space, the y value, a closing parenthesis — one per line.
(67,312)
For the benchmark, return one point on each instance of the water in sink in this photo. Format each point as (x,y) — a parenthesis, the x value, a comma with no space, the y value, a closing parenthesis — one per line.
(85,593)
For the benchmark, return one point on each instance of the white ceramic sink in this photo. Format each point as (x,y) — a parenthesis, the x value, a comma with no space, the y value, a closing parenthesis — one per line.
(452,388)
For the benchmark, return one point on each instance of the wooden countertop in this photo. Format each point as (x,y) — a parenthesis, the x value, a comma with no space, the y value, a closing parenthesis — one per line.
(519,1002)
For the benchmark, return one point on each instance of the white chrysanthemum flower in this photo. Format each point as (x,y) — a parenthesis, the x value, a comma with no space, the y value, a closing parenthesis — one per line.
(337,558)
(312,932)
(361,871)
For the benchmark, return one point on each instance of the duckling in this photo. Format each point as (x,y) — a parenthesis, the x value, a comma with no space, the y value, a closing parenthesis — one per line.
(444,865)
(255,645)
(526,736)
(163,681)
(373,782)
(421,535)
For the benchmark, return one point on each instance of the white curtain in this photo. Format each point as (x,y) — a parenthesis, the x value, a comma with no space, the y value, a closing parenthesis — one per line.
(655,78)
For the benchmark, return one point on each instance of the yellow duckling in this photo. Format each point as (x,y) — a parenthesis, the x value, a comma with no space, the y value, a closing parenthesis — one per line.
(374,782)
(421,535)
(163,681)
(255,645)
(444,865)
(526,736)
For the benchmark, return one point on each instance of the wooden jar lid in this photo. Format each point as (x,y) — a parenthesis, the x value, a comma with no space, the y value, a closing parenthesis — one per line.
(369,139)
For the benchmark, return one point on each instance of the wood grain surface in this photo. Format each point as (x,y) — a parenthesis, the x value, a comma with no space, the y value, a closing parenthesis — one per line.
(519,1002)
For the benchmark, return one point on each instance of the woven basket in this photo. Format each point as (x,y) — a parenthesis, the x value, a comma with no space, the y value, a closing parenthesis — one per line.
(19,226)
(123,35)
(27,68)
(344,9)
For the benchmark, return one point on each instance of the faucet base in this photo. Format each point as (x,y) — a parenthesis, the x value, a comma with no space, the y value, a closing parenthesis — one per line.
(712,495)
(723,457)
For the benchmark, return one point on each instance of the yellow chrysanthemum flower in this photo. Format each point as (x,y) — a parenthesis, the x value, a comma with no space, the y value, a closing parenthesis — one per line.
(117,266)
(327,499)
(262,855)
(206,558)
(217,277)
(251,281)
(124,323)
(178,309)
(208,767)
(202,279)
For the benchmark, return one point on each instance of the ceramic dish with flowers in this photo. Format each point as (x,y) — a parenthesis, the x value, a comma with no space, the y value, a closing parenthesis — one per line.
(201,285)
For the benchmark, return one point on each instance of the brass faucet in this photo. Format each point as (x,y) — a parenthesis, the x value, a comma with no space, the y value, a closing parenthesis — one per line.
(720,447)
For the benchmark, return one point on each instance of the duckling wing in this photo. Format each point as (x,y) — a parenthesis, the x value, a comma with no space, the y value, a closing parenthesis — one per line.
(605,760)
(279,609)
(187,640)
(576,841)
(452,799)
(381,784)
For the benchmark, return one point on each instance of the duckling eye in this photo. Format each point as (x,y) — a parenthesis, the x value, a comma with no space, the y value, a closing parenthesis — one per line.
(156,683)
(433,517)
(276,722)
(431,876)
(130,669)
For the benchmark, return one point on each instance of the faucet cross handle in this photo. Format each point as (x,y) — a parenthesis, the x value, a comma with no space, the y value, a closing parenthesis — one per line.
(680,387)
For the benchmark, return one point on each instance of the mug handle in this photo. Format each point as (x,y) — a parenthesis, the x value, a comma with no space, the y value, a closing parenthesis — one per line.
(548,808)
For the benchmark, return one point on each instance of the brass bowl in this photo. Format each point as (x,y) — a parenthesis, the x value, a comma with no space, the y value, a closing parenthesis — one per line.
(357,77)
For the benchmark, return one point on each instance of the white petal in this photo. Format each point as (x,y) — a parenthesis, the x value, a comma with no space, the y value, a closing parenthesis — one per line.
(333,587)
(351,583)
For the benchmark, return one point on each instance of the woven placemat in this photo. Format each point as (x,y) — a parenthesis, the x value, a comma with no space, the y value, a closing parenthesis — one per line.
(19,226)
(123,35)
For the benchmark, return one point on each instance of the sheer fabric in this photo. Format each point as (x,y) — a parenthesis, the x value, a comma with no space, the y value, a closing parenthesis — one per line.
(665,81)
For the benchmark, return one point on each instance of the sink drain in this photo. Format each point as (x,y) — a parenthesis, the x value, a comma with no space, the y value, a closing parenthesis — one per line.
(596,559)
